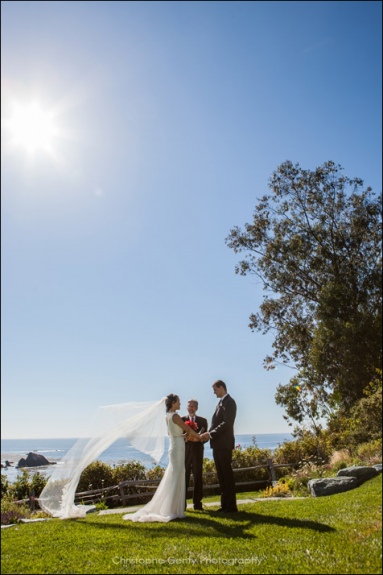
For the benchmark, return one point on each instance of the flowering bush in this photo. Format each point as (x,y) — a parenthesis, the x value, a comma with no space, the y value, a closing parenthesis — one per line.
(279,490)
(12,512)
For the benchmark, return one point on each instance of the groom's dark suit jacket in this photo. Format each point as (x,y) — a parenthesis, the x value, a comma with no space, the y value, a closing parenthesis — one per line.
(222,425)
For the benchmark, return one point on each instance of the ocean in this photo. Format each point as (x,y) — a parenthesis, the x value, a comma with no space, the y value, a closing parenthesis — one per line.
(53,450)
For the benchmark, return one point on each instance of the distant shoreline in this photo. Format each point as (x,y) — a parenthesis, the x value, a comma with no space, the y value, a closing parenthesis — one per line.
(54,449)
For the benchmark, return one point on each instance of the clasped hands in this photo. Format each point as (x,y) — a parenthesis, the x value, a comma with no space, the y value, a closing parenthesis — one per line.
(202,437)
(205,436)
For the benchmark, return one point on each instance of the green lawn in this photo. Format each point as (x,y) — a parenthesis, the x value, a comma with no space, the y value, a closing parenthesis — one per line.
(336,534)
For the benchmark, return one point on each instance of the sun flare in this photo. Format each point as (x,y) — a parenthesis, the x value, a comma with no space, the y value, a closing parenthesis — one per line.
(31,127)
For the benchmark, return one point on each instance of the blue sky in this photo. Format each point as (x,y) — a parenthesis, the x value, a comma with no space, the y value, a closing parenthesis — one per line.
(166,122)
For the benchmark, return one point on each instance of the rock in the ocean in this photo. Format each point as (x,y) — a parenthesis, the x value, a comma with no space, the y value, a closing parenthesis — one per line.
(33,460)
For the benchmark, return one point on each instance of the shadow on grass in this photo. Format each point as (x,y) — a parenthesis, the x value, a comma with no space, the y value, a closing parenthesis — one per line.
(213,524)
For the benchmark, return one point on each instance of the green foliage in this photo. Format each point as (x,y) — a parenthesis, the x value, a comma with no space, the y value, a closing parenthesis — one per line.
(26,483)
(4,485)
(367,412)
(156,472)
(21,488)
(315,243)
(340,460)
(101,505)
(363,422)
(99,475)
(96,476)
(370,453)
(133,470)
(12,512)
(209,467)
(306,445)
(250,457)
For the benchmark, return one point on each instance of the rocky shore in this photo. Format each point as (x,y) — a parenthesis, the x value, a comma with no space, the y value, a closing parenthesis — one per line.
(33,460)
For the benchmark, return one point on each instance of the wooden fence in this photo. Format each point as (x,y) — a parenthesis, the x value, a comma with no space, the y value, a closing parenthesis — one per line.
(133,491)
(121,494)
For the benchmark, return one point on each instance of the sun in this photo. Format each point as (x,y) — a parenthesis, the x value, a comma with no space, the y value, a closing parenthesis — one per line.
(31,127)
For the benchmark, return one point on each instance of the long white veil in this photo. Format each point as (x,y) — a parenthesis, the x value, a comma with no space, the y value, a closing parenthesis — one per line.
(142,424)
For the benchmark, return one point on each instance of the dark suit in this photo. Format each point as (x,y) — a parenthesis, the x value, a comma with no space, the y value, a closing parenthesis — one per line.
(194,462)
(222,443)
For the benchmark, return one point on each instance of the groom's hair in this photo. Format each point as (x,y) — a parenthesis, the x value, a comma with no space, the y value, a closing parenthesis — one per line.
(220,383)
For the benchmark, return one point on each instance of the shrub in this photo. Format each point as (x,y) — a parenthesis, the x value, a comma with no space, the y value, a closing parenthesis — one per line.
(305,446)
(101,505)
(367,412)
(250,457)
(362,423)
(370,453)
(131,471)
(156,473)
(340,460)
(25,484)
(281,489)
(12,512)
(4,486)
(96,476)
(209,467)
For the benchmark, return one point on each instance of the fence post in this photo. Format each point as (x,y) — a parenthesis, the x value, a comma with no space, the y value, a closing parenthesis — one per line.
(122,495)
(32,500)
(271,470)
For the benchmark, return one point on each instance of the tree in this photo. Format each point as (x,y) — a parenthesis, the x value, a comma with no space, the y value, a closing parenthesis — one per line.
(315,243)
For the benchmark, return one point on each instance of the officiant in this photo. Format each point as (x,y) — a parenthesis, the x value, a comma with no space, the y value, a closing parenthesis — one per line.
(194,453)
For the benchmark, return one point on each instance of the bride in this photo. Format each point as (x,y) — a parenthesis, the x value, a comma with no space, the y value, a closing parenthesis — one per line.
(145,427)
(169,500)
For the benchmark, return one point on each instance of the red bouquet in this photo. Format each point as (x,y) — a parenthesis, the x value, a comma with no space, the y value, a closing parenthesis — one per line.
(192,424)
(194,427)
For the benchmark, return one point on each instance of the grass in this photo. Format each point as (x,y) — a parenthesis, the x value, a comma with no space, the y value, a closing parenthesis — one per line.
(336,534)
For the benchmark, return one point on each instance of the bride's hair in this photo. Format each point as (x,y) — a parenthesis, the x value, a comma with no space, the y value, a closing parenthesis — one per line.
(170,399)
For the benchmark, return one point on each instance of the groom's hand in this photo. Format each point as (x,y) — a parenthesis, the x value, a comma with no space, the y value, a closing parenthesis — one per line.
(205,436)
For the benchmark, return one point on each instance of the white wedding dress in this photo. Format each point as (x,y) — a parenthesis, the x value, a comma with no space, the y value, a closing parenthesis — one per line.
(142,424)
(168,501)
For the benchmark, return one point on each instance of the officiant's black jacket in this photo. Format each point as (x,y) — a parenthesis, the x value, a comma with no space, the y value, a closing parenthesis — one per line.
(222,425)
(201,424)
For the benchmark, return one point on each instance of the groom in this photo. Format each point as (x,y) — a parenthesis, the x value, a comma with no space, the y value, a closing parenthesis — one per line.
(221,434)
